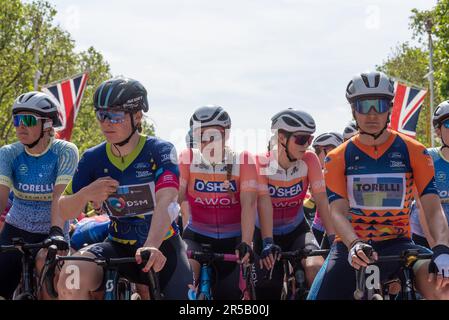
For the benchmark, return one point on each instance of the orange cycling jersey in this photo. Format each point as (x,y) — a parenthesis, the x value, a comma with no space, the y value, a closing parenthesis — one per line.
(215,212)
(378,183)
(288,188)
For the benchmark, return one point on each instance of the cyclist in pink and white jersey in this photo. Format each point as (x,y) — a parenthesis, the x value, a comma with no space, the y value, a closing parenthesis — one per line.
(220,187)
(285,174)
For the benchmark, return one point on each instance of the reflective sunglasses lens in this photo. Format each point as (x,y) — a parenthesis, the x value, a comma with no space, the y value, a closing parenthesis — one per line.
(301,140)
(28,120)
(379,106)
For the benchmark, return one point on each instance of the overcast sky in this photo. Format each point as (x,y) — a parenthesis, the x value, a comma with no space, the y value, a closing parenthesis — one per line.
(253,57)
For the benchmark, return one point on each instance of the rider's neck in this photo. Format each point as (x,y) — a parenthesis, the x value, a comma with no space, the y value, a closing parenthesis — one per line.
(283,159)
(370,141)
(127,148)
(41,147)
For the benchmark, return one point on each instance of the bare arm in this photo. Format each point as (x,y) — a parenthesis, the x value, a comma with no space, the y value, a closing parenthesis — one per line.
(160,221)
(339,211)
(56,218)
(248,200)
(423,223)
(4,194)
(435,219)
(322,205)
(265,210)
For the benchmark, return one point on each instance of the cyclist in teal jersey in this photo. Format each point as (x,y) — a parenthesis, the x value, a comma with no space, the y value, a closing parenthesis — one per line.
(37,169)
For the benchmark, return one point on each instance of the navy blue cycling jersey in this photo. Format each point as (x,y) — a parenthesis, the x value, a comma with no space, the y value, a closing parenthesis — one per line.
(150,167)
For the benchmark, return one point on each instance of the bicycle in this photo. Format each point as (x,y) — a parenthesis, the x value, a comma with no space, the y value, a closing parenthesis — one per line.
(206,258)
(27,287)
(116,288)
(405,277)
(294,285)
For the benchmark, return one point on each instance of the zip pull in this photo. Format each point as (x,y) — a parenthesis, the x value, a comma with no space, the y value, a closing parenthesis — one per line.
(375,151)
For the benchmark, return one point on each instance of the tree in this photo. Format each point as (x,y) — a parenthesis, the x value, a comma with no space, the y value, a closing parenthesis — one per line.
(27,29)
(410,64)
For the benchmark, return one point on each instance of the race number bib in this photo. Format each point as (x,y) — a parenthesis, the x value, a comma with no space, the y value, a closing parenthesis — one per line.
(131,200)
(374,192)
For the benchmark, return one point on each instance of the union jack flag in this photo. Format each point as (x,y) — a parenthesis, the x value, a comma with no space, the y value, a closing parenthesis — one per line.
(68,93)
(406,107)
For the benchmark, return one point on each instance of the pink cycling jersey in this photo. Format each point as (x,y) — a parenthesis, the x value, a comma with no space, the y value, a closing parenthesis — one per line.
(213,211)
(288,188)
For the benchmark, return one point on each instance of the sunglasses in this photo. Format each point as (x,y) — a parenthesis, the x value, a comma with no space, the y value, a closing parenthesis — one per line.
(28,120)
(301,140)
(446,124)
(379,105)
(113,117)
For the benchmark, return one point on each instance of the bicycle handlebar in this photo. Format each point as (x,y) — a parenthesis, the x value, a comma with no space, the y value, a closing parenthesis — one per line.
(302,253)
(204,257)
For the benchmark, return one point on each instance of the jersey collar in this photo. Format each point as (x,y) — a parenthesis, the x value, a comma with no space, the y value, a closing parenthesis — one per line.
(123,162)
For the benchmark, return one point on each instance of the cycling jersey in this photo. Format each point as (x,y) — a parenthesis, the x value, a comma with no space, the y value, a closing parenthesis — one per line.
(214,212)
(442,182)
(150,167)
(32,178)
(377,182)
(288,188)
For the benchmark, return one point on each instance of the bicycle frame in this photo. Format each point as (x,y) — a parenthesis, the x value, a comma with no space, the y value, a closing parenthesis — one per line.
(405,274)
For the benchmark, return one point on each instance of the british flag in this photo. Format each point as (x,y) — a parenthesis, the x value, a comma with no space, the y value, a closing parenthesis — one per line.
(406,107)
(69,93)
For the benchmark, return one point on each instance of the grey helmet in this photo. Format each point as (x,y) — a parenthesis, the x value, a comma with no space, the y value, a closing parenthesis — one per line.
(370,85)
(440,114)
(292,120)
(328,139)
(210,115)
(39,103)
(350,130)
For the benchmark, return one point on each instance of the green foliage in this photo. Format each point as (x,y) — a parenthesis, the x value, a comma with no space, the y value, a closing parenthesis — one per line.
(411,63)
(26,28)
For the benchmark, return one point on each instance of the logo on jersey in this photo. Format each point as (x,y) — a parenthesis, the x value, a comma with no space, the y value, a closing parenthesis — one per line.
(142,165)
(395,155)
(377,193)
(117,203)
(397,164)
(285,192)
(441,176)
(23,169)
(143,174)
(214,186)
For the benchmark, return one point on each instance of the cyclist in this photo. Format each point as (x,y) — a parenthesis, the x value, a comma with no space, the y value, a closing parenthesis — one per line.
(350,130)
(285,174)
(37,169)
(369,180)
(440,157)
(322,145)
(134,179)
(220,186)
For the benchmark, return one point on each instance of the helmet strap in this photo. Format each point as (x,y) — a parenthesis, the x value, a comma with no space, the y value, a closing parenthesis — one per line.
(133,130)
(374,135)
(32,145)
(287,152)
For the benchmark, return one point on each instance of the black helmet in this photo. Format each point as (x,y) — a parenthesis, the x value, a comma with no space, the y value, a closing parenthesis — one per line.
(121,93)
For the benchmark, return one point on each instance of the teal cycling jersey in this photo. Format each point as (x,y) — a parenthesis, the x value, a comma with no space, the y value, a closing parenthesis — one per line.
(442,182)
(32,179)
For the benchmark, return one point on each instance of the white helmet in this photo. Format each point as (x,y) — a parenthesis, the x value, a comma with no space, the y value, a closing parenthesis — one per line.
(209,116)
(328,139)
(371,84)
(440,114)
(291,120)
(39,103)
(350,130)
